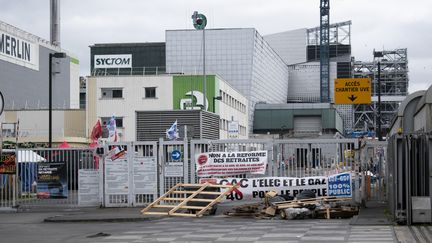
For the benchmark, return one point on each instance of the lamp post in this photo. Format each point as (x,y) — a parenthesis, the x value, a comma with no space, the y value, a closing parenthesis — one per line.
(51,56)
(199,22)
(379,54)
(214,103)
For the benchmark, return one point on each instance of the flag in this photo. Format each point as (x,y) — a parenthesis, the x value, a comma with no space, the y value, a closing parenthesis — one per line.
(96,132)
(112,130)
(172,132)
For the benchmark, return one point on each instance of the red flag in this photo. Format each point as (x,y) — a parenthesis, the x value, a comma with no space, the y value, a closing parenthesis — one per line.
(96,132)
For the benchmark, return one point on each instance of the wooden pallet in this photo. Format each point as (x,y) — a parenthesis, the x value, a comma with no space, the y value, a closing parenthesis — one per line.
(176,200)
(309,201)
(280,206)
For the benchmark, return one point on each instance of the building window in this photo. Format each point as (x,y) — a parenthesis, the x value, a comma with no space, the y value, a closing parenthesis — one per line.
(119,121)
(150,92)
(112,93)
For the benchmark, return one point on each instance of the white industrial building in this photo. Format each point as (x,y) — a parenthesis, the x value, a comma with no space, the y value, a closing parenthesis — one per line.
(127,97)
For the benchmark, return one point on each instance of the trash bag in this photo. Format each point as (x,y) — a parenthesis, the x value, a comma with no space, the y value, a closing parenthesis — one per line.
(287,197)
(298,213)
(306,194)
(276,199)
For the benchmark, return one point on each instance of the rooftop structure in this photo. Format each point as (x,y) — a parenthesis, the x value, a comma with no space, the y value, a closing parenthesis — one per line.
(394,88)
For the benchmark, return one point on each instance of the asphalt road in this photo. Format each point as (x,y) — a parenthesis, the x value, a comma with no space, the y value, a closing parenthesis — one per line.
(29,227)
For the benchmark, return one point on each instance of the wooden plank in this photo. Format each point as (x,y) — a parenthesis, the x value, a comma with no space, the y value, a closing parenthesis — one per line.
(160,198)
(201,200)
(156,213)
(207,193)
(189,198)
(184,214)
(287,204)
(173,206)
(185,199)
(209,185)
(219,198)
(163,206)
(174,199)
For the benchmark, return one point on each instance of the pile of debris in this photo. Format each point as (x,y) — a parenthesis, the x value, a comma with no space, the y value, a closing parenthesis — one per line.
(305,205)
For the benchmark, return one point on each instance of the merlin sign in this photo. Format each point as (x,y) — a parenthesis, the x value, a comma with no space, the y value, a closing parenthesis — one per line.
(352,91)
(19,51)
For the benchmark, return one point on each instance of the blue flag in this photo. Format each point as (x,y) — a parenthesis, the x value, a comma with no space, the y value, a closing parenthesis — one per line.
(172,132)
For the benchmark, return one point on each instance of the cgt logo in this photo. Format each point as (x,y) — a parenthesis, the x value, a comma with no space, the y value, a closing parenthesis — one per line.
(113,61)
(188,104)
(202,159)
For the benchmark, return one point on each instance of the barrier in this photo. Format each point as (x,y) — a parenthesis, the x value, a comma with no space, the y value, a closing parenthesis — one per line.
(136,173)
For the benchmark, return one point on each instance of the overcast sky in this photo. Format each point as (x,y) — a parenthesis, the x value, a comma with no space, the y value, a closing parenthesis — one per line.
(376,24)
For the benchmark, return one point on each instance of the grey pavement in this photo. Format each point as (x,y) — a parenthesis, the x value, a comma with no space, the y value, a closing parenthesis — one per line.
(373,214)
(229,229)
(118,225)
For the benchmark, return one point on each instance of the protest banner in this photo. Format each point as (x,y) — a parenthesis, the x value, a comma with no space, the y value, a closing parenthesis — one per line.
(255,188)
(230,163)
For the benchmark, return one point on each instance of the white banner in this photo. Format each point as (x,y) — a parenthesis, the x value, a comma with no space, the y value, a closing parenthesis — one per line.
(145,175)
(88,187)
(113,61)
(255,188)
(19,51)
(230,163)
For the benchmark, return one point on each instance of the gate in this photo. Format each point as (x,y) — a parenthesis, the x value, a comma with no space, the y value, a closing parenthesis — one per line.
(373,169)
(145,173)
(130,174)
(117,174)
(315,157)
(49,177)
(175,163)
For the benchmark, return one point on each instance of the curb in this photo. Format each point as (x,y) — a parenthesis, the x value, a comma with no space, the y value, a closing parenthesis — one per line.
(57,219)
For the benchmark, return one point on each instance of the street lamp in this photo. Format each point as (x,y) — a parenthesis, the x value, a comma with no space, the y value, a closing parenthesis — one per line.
(214,104)
(200,22)
(51,56)
(379,54)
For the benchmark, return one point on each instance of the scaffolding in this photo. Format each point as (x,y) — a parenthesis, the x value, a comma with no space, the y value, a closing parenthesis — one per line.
(394,88)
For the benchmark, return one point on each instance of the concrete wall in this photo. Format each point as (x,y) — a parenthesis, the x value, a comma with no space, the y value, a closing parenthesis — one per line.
(33,125)
(290,45)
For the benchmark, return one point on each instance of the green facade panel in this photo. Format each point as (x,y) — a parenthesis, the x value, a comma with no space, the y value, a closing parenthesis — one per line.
(186,83)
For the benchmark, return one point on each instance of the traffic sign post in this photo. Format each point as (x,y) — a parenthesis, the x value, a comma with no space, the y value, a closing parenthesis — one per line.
(175,155)
(352,91)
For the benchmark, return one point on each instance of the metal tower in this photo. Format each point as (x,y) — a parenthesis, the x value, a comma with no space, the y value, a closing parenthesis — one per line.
(394,89)
(324,51)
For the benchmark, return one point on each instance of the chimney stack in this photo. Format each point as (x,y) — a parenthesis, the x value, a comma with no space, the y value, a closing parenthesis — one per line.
(55,22)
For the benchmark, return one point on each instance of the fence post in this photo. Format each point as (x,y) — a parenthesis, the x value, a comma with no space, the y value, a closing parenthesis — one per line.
(186,160)
(102,178)
(161,164)
(130,160)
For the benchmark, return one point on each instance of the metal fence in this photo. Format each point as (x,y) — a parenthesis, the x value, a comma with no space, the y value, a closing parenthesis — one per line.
(409,177)
(130,179)
(148,169)
(60,188)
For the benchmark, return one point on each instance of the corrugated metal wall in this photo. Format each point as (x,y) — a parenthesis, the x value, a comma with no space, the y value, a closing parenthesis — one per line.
(151,125)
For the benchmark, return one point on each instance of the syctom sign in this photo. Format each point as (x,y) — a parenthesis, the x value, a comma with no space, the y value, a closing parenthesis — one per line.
(113,61)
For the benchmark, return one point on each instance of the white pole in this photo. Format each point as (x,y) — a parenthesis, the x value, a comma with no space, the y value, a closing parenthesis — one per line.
(204,72)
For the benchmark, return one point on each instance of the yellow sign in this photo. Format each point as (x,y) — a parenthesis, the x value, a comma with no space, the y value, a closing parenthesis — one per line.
(352,91)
